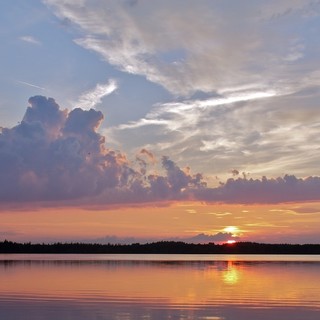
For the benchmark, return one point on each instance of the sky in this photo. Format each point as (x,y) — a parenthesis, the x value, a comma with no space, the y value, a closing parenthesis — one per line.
(143,120)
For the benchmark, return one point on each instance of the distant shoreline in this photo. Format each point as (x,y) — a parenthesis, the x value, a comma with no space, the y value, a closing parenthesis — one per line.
(161,247)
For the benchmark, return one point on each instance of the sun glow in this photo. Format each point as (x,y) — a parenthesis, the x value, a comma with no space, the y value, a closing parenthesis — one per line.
(231,241)
(231,229)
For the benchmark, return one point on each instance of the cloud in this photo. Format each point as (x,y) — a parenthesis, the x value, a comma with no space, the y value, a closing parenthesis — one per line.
(144,157)
(4,234)
(243,76)
(59,157)
(218,237)
(31,85)
(199,238)
(235,172)
(260,136)
(175,115)
(55,155)
(305,210)
(156,40)
(91,98)
(30,39)
(149,154)
(278,9)
(264,190)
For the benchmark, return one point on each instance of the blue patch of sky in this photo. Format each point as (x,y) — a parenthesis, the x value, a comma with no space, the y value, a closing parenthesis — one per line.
(57,63)
(134,98)
(23,61)
(310,35)
(62,67)
(172,56)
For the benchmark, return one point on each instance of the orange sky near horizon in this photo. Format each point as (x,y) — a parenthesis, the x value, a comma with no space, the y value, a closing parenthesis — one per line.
(123,121)
(276,223)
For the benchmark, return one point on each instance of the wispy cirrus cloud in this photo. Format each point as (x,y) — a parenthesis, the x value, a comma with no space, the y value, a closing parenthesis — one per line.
(31,85)
(30,39)
(93,97)
(250,130)
(156,40)
(158,115)
(256,63)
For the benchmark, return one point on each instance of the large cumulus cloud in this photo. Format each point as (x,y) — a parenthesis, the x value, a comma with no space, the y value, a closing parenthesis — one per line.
(54,154)
(58,155)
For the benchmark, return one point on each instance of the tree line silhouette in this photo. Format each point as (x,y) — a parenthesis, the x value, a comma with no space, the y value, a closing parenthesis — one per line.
(161,247)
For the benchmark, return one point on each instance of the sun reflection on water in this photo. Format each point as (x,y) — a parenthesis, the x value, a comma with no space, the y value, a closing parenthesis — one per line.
(159,290)
(231,274)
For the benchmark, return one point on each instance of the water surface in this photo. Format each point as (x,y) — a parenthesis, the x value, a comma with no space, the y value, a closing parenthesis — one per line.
(216,287)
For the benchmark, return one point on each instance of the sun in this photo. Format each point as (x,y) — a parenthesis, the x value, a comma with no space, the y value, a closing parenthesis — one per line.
(234,232)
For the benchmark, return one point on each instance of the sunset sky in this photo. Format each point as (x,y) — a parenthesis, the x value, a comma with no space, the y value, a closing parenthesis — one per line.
(143,120)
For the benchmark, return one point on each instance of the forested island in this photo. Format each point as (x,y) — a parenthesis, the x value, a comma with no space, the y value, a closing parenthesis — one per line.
(161,247)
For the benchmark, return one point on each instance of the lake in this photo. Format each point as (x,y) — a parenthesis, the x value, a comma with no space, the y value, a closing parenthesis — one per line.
(123,287)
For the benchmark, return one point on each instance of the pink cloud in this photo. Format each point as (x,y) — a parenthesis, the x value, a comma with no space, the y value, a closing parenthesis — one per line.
(57,155)
(275,190)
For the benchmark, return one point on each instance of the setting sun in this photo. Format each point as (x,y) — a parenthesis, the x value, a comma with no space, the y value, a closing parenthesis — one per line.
(231,241)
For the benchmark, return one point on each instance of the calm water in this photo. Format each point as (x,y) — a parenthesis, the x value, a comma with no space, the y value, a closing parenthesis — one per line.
(123,287)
